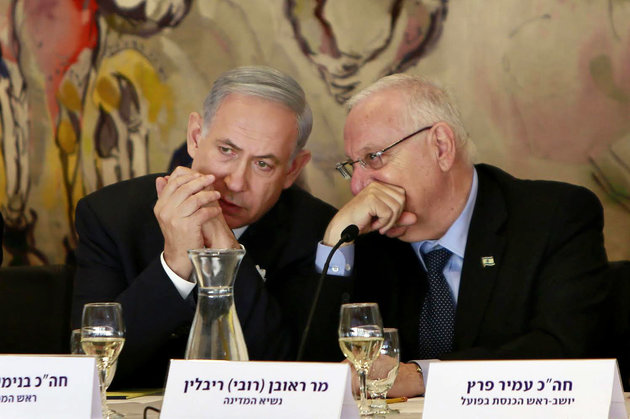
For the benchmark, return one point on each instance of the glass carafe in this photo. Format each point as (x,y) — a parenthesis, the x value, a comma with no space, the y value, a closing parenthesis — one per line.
(216,332)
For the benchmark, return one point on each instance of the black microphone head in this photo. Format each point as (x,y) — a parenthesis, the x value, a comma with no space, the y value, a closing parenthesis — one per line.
(349,233)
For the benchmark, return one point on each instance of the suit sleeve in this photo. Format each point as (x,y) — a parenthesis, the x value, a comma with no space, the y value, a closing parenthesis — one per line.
(567,288)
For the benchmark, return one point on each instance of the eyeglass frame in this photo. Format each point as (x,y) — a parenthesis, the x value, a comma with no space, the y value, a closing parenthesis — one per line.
(341,167)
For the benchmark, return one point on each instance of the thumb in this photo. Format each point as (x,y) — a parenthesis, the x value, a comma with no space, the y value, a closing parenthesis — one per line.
(407,219)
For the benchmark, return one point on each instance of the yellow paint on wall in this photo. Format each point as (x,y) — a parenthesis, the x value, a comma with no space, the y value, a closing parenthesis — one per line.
(106,93)
(68,95)
(66,137)
(135,67)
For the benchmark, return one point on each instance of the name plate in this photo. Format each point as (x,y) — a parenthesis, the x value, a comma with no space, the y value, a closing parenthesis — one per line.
(525,389)
(40,386)
(232,389)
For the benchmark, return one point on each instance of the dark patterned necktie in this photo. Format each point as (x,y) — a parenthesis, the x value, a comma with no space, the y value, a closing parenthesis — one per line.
(437,318)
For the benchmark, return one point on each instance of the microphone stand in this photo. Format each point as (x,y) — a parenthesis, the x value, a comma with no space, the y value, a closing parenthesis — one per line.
(348,234)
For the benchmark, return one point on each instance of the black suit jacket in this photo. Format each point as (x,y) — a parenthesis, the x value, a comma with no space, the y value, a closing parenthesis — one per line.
(542,297)
(118,259)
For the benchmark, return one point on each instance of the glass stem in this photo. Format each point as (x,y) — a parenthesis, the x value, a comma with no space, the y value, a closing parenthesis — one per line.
(379,400)
(102,373)
(363,387)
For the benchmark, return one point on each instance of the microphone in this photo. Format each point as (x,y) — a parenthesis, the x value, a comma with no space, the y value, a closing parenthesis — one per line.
(350,233)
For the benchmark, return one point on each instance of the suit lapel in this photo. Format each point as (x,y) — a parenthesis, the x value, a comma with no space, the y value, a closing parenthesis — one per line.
(485,240)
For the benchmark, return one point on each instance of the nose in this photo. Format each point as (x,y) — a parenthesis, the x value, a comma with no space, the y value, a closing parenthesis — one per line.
(236,180)
(360,179)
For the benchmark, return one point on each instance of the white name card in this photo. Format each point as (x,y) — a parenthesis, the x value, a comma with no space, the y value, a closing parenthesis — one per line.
(41,386)
(525,389)
(232,389)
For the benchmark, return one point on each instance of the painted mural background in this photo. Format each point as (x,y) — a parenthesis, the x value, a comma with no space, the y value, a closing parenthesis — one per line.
(93,92)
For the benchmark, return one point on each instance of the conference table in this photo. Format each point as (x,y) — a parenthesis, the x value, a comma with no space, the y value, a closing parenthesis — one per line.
(134,408)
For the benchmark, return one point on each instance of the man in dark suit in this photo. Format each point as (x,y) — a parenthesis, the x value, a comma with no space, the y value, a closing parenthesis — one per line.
(466,260)
(247,151)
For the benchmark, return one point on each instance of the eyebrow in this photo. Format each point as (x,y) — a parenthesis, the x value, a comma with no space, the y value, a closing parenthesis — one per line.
(228,142)
(365,150)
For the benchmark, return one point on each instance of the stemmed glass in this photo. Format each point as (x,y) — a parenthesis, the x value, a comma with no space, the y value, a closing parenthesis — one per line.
(383,372)
(360,339)
(77,349)
(103,336)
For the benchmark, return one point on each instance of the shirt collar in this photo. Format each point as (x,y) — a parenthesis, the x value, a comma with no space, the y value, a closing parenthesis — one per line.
(457,234)
(238,232)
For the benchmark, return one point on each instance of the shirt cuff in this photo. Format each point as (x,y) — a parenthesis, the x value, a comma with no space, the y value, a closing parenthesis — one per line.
(183,287)
(341,263)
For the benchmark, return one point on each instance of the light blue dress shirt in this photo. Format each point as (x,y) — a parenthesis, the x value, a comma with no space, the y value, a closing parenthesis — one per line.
(454,240)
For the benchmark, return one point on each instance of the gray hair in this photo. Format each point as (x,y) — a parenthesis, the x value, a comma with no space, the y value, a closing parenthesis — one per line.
(266,83)
(427,103)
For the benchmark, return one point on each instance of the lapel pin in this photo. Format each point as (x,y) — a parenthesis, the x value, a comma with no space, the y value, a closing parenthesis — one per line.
(262,272)
(487,261)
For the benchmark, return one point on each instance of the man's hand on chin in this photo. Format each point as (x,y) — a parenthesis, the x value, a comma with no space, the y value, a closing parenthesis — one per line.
(409,382)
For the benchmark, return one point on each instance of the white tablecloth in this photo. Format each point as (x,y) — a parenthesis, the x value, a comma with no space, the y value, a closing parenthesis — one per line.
(134,408)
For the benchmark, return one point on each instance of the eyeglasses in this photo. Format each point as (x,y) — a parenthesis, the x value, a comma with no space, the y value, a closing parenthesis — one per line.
(372,160)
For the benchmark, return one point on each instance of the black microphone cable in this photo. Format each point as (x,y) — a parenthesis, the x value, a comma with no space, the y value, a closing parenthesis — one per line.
(348,234)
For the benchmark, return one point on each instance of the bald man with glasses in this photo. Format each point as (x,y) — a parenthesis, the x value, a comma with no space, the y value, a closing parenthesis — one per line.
(465,260)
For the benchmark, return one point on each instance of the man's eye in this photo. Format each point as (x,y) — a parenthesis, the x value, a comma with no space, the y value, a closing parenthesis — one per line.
(226,150)
(371,156)
(263,165)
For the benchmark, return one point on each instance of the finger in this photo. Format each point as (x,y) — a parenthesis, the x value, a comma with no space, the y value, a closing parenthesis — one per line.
(403,221)
(395,232)
(181,170)
(203,215)
(407,219)
(385,213)
(160,184)
(180,188)
(174,182)
(198,201)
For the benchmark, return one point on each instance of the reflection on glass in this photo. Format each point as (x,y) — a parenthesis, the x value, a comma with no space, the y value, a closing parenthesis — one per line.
(383,373)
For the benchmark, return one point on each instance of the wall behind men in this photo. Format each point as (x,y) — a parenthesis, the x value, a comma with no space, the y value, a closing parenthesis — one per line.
(96,91)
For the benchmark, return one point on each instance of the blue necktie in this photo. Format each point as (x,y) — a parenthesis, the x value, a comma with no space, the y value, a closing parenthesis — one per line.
(437,318)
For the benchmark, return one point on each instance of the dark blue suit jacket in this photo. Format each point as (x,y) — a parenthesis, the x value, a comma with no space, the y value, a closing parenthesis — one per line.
(118,259)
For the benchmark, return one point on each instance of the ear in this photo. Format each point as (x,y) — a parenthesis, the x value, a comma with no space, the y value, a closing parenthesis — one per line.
(445,145)
(193,133)
(303,157)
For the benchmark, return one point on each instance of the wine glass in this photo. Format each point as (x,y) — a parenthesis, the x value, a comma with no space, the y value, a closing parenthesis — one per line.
(103,336)
(360,339)
(383,373)
(75,342)
(77,349)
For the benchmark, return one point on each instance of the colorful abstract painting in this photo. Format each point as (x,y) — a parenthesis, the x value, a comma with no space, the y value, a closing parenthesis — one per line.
(96,91)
